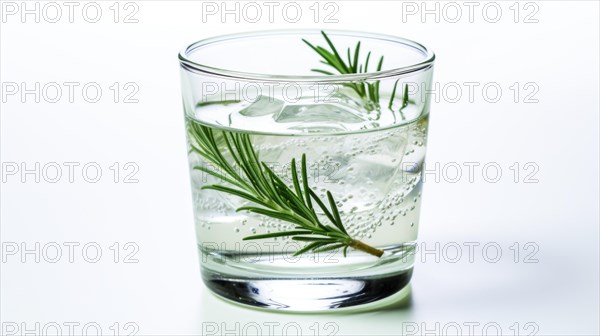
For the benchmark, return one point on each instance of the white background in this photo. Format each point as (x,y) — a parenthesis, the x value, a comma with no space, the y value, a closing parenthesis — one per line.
(556,129)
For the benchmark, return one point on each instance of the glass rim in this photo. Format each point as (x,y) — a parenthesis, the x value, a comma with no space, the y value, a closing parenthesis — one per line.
(193,66)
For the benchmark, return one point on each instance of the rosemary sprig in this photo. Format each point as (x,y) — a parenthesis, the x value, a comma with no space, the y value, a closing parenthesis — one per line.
(272,197)
(367,91)
(405,99)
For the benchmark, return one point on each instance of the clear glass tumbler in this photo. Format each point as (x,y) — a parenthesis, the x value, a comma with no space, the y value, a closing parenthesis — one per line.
(306,151)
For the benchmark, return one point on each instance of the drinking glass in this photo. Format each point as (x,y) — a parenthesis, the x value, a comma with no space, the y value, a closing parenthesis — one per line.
(306,151)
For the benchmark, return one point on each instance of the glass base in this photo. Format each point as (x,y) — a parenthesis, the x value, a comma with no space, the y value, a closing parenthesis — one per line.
(312,294)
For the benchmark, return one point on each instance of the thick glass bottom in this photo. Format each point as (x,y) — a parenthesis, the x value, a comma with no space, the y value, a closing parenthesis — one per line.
(307,294)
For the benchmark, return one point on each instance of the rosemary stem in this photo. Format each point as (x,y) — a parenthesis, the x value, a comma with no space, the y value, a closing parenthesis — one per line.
(357,244)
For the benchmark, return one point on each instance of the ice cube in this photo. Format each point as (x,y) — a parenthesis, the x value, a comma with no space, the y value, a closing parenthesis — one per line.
(353,103)
(315,113)
(262,106)
(377,167)
(393,144)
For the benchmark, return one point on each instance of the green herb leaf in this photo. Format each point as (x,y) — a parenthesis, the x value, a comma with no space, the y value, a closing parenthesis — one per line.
(270,195)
